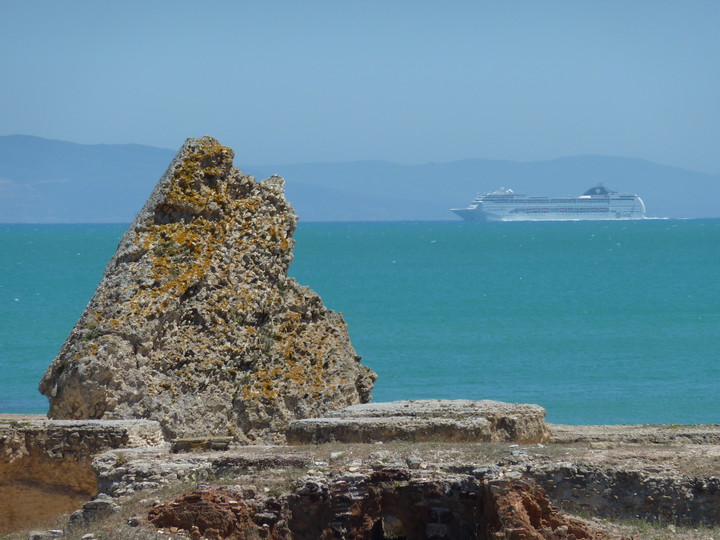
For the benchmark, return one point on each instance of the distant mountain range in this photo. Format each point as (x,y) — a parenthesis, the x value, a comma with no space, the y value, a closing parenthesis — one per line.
(48,181)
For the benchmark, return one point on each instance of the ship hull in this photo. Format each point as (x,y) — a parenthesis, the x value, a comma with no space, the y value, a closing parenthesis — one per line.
(471,214)
(481,216)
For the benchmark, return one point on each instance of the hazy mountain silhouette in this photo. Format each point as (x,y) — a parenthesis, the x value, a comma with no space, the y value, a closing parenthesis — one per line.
(47,181)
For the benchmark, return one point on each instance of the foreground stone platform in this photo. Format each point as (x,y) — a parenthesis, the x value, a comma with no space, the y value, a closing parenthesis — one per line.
(426,421)
(414,489)
(617,472)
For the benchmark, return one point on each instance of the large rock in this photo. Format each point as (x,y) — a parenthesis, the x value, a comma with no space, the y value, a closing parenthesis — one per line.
(195,323)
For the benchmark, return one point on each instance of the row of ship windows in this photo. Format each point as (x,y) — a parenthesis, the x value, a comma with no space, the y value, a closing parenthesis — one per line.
(621,202)
(560,211)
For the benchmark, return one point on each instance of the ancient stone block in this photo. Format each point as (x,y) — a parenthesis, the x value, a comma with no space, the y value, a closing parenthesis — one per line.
(426,420)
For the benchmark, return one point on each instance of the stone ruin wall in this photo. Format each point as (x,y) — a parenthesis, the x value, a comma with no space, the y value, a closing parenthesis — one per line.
(46,466)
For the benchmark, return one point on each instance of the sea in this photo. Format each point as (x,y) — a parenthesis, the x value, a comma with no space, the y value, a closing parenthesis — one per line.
(598,322)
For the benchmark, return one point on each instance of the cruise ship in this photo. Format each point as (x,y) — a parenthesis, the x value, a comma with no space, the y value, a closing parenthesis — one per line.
(597,203)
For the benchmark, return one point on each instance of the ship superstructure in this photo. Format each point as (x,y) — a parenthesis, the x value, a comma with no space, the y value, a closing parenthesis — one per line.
(597,203)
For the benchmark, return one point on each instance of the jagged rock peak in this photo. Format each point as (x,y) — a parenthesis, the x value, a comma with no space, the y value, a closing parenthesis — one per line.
(195,323)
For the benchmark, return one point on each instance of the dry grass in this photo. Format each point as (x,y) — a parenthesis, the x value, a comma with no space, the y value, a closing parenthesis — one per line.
(639,529)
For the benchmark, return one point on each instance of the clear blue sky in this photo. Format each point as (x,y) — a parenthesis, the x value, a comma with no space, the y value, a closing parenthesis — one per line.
(404,81)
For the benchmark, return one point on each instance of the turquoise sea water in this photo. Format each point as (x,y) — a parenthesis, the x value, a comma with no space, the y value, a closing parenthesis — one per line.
(613,322)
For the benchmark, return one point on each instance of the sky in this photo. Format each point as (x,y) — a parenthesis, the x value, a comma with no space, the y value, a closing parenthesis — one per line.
(405,81)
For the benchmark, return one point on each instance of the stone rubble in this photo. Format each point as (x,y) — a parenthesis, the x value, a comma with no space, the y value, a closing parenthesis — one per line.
(385,503)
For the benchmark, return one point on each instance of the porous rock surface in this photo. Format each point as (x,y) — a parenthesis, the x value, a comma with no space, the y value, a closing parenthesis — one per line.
(195,323)
(426,420)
